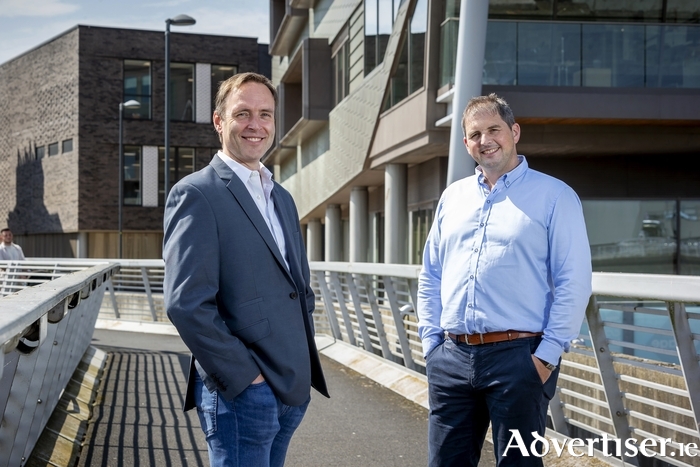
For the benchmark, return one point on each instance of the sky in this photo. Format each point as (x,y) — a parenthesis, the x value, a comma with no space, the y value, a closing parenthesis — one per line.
(25,24)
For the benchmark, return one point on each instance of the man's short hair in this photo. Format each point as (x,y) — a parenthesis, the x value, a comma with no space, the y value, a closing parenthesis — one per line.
(6,229)
(235,82)
(492,104)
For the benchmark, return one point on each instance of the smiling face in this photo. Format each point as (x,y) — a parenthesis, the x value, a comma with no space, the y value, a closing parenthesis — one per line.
(246,126)
(491,143)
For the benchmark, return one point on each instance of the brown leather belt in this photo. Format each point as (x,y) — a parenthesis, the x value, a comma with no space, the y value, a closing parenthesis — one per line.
(491,337)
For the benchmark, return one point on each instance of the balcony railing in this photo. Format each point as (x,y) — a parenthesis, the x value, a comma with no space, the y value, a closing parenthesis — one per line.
(537,53)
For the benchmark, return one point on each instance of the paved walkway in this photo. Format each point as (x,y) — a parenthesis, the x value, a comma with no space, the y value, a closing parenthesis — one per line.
(137,420)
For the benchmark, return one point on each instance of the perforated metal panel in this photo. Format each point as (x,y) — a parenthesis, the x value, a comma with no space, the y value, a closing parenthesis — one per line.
(150,176)
(203,98)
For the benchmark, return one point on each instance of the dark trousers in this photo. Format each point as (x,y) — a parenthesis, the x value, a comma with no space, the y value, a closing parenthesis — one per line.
(470,385)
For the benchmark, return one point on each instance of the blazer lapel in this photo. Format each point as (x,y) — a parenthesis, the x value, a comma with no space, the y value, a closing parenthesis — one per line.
(240,193)
(284,213)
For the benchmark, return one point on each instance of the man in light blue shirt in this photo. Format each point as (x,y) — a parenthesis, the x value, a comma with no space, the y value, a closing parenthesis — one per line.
(503,290)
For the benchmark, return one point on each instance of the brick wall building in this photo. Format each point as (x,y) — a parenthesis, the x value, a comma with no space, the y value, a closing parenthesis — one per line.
(59,134)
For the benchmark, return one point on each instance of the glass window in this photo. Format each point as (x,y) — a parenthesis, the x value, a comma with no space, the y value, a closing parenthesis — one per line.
(182,92)
(673,56)
(341,72)
(500,55)
(180,164)
(67,146)
(40,152)
(519,8)
(408,76)
(612,55)
(137,86)
(53,149)
(689,250)
(610,10)
(548,54)
(220,73)
(379,22)
(421,221)
(132,175)
(682,11)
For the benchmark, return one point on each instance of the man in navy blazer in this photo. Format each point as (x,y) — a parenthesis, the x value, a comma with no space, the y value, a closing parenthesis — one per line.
(237,288)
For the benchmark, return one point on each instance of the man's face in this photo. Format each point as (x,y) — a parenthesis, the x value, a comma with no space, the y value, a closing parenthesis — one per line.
(247,128)
(6,236)
(491,143)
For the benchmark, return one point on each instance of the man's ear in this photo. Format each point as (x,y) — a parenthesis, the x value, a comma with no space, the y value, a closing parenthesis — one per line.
(217,122)
(516,132)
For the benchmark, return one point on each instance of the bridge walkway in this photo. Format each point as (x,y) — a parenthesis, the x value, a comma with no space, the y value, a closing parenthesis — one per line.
(138,421)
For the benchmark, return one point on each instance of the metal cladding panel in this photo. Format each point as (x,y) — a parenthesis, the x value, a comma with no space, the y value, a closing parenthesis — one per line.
(203,98)
(335,18)
(149,180)
(352,126)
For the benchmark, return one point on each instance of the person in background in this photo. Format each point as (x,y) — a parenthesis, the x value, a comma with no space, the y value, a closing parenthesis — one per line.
(8,250)
(503,290)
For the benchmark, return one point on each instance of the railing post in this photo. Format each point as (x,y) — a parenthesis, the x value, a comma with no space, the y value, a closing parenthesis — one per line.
(338,289)
(328,303)
(113,296)
(398,320)
(147,286)
(687,355)
(359,312)
(608,376)
(378,323)
(557,414)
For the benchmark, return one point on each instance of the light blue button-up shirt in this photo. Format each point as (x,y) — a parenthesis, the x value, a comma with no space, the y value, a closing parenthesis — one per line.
(515,257)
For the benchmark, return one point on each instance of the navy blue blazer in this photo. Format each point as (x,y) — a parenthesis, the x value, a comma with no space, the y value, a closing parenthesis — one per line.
(236,305)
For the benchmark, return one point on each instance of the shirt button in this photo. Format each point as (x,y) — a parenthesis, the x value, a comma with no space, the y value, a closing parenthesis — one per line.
(471,277)
(481,225)
(476,250)
(488,201)
(293,295)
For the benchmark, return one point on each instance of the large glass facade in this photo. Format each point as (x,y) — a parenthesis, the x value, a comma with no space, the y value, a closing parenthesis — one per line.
(180,164)
(182,92)
(566,51)
(644,236)
(132,175)
(137,86)
(590,54)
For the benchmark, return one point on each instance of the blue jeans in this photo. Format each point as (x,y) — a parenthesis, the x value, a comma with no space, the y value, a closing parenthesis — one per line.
(470,385)
(253,430)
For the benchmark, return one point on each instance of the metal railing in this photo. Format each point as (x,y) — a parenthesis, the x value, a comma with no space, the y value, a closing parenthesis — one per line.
(633,373)
(45,328)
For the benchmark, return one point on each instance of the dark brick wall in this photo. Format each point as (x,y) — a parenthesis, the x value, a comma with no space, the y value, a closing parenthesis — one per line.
(102,52)
(39,95)
(70,88)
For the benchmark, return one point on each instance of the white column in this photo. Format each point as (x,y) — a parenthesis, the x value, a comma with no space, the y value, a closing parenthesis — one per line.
(314,240)
(395,214)
(359,226)
(334,234)
(82,246)
(471,43)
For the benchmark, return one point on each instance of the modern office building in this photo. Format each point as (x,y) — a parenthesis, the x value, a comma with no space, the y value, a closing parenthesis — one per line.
(607,94)
(59,134)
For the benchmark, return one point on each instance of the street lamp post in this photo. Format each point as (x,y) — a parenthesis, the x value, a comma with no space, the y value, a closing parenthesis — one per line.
(132,104)
(179,20)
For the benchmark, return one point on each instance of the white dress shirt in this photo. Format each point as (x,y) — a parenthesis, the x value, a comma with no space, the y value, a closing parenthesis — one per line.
(259,184)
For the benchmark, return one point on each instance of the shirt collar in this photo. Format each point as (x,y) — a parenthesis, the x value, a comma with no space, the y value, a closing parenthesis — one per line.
(508,177)
(244,172)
